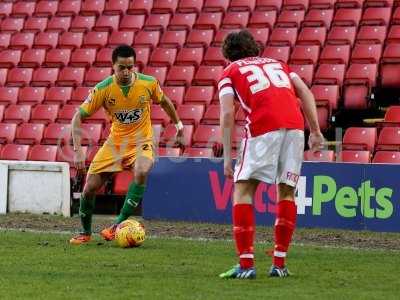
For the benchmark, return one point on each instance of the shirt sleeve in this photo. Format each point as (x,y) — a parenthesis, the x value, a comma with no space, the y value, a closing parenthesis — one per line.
(92,103)
(225,85)
(157,93)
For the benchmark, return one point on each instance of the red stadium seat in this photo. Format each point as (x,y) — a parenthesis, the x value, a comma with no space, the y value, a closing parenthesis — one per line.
(91,133)
(121,181)
(390,75)
(14,152)
(31,95)
(175,93)
(305,54)
(98,117)
(200,38)
(59,24)
(46,8)
(3,76)
(349,3)
(347,17)
(199,94)
(365,53)
(190,6)
(190,56)
(182,21)
(105,133)
(312,36)
(79,95)
(103,58)
(283,37)
(180,75)
(92,7)
(269,5)
(242,5)
(22,40)
(58,95)
(206,135)
(290,18)
(396,16)
(305,72)
(5,9)
(107,23)
(35,24)
(356,96)
(158,115)
(7,132)
(120,37)
(262,19)
(277,52)
(95,39)
(43,153)
(342,35)
(91,153)
(69,7)
(19,76)
(323,155)
(169,152)
(208,75)
(371,34)
(82,23)
(173,39)
(29,133)
(147,39)
(160,6)
(70,40)
(95,75)
(82,57)
(221,34)
(12,25)
(335,54)
(295,4)
(32,58)
(70,76)
(211,116)
(392,115)
(10,58)
(46,40)
(56,134)
(5,39)
(209,20)
(326,94)
(191,113)
(376,16)
(362,74)
(319,17)
(387,157)
(168,136)
(160,73)
(142,56)
(66,153)
(140,7)
(330,74)
(163,57)
(44,76)
(234,19)
(157,22)
(132,22)
(116,7)
(199,152)
(360,138)
(17,113)
(391,53)
(8,95)
(66,113)
(23,9)
(214,57)
(44,113)
(389,139)
(354,156)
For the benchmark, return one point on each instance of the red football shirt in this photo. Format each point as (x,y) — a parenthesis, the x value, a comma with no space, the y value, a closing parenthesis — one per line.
(264,89)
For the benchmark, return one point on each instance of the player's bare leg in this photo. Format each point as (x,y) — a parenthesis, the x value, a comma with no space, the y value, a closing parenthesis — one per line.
(134,195)
(243,229)
(285,225)
(93,183)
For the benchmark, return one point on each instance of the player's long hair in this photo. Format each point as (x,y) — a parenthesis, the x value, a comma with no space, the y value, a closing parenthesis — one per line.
(238,45)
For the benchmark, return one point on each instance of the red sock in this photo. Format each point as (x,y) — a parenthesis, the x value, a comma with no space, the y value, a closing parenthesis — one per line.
(284,227)
(243,233)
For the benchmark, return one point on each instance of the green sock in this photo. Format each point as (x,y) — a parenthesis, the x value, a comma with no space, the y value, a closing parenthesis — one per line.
(85,212)
(132,200)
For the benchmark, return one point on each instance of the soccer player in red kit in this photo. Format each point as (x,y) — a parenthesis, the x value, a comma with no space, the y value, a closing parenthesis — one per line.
(272,150)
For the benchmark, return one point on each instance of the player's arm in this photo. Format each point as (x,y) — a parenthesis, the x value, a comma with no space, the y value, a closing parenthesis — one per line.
(169,108)
(227,123)
(316,139)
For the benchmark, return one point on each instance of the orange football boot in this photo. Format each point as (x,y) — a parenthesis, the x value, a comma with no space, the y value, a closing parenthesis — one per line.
(108,233)
(80,239)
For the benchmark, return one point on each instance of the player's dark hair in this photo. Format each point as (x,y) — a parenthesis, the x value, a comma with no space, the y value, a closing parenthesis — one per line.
(238,45)
(123,51)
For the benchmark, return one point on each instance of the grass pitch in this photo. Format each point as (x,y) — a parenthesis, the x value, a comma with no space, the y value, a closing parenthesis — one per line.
(44,266)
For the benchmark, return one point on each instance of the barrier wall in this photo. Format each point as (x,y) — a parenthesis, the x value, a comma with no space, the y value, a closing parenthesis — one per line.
(35,187)
(330,195)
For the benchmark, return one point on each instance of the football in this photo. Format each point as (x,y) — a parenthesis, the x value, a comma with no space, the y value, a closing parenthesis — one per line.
(130,233)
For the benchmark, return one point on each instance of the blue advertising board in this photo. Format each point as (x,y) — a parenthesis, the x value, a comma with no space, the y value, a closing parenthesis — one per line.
(329,195)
